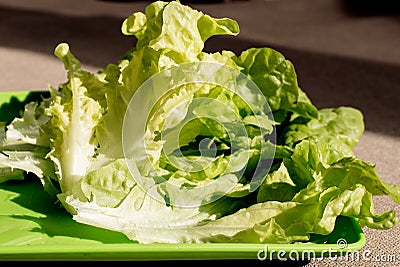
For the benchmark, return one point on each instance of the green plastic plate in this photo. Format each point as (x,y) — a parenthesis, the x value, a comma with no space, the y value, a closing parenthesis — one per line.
(33,227)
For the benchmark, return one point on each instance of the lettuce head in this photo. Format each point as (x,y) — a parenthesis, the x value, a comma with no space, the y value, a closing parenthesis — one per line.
(171,144)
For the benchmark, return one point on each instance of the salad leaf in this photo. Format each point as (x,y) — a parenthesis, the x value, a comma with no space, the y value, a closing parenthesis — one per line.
(171,144)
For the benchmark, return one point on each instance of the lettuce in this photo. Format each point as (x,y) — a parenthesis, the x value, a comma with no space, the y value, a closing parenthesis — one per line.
(175,145)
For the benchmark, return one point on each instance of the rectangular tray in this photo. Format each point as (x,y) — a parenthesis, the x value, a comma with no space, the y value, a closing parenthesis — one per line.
(32,227)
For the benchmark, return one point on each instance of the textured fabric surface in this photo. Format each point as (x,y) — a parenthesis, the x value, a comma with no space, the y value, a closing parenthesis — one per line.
(344,52)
